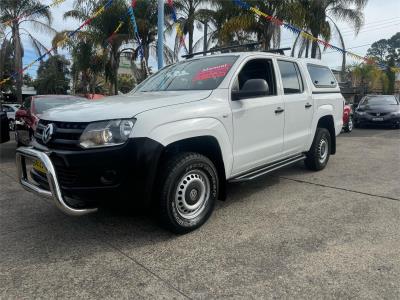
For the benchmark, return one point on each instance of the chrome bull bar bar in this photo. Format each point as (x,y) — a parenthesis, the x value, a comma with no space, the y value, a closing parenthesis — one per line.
(55,192)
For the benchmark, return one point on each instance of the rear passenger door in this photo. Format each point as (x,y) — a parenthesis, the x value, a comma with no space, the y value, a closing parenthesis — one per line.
(299,108)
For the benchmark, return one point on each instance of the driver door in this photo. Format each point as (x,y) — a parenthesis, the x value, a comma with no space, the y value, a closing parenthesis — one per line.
(258,122)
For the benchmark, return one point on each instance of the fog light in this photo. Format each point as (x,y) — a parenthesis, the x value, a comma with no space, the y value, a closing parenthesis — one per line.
(109,177)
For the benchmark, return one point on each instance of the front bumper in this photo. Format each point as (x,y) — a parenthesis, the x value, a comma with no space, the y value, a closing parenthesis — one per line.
(84,178)
(55,192)
(373,120)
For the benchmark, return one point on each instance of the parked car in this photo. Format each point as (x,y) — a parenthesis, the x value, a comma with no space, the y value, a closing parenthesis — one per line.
(4,127)
(11,109)
(378,110)
(347,118)
(179,136)
(28,115)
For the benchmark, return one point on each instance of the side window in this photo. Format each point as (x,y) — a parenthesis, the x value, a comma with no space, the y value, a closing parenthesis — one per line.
(291,77)
(257,69)
(321,76)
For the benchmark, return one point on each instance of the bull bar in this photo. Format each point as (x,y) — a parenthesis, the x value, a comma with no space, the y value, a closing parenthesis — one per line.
(55,192)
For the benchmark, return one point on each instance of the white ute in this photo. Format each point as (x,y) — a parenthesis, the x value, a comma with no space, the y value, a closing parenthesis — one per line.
(179,136)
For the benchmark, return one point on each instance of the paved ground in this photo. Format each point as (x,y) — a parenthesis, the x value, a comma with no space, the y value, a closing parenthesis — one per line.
(294,234)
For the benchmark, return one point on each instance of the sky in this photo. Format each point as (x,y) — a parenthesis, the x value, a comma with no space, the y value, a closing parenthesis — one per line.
(382,20)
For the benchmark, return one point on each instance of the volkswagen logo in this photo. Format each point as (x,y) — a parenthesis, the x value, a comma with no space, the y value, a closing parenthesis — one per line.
(47,133)
(378,114)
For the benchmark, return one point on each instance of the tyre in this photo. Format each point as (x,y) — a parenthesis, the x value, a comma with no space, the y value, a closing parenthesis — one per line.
(188,192)
(318,155)
(349,125)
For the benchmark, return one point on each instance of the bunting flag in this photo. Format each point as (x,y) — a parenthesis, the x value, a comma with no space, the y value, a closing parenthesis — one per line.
(131,14)
(178,28)
(116,30)
(98,12)
(55,3)
(306,35)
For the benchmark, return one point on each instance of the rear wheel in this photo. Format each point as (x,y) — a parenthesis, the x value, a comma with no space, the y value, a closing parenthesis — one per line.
(188,191)
(319,153)
(349,125)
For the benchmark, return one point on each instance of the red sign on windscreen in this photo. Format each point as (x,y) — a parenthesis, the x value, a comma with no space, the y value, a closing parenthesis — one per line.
(212,72)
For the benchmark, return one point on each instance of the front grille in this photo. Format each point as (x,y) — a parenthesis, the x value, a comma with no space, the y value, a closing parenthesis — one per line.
(66,134)
(375,114)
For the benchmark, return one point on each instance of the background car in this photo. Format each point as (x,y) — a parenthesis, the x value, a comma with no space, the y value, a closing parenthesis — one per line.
(11,109)
(347,118)
(28,115)
(4,127)
(378,110)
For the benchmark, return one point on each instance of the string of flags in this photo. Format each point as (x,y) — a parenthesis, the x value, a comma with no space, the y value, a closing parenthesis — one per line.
(137,36)
(10,21)
(178,28)
(98,12)
(306,35)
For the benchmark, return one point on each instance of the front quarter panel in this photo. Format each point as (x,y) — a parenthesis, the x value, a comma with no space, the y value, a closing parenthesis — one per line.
(209,117)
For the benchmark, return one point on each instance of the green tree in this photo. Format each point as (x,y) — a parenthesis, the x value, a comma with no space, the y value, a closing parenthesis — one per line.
(192,13)
(11,10)
(316,17)
(126,82)
(52,76)
(387,52)
(246,26)
(6,64)
(368,77)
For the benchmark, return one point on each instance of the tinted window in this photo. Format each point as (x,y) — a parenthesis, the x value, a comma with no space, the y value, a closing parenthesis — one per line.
(321,76)
(257,69)
(379,100)
(197,74)
(291,78)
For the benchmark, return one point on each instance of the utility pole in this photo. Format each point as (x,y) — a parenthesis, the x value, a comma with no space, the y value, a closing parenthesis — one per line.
(160,34)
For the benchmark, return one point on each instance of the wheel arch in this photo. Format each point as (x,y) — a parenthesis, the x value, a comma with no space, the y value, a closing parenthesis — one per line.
(327,122)
(206,145)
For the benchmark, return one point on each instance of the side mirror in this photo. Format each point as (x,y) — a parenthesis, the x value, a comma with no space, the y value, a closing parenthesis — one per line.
(252,88)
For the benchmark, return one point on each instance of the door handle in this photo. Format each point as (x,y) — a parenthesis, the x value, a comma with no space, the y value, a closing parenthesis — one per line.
(279,110)
(308,105)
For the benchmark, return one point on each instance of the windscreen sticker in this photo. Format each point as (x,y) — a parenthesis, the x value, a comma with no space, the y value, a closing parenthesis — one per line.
(212,72)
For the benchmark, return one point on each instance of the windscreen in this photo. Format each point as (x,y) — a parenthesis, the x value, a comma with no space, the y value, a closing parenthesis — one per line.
(197,74)
(380,100)
(43,104)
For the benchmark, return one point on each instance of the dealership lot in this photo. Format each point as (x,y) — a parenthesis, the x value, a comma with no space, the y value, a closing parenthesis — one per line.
(295,233)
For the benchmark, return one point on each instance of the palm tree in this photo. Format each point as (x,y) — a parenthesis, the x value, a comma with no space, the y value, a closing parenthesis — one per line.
(192,12)
(92,45)
(248,26)
(11,10)
(317,17)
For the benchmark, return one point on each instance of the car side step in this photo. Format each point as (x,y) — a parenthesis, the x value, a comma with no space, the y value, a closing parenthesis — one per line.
(252,174)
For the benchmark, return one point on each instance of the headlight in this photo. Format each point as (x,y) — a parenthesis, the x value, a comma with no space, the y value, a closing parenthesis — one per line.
(106,133)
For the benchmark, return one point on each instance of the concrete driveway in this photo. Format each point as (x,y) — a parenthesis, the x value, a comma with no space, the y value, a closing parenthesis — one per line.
(294,234)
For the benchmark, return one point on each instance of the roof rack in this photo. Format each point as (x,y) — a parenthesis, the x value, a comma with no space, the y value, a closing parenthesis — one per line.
(226,49)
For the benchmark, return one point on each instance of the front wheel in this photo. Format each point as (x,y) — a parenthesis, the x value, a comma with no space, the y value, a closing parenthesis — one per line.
(188,192)
(318,155)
